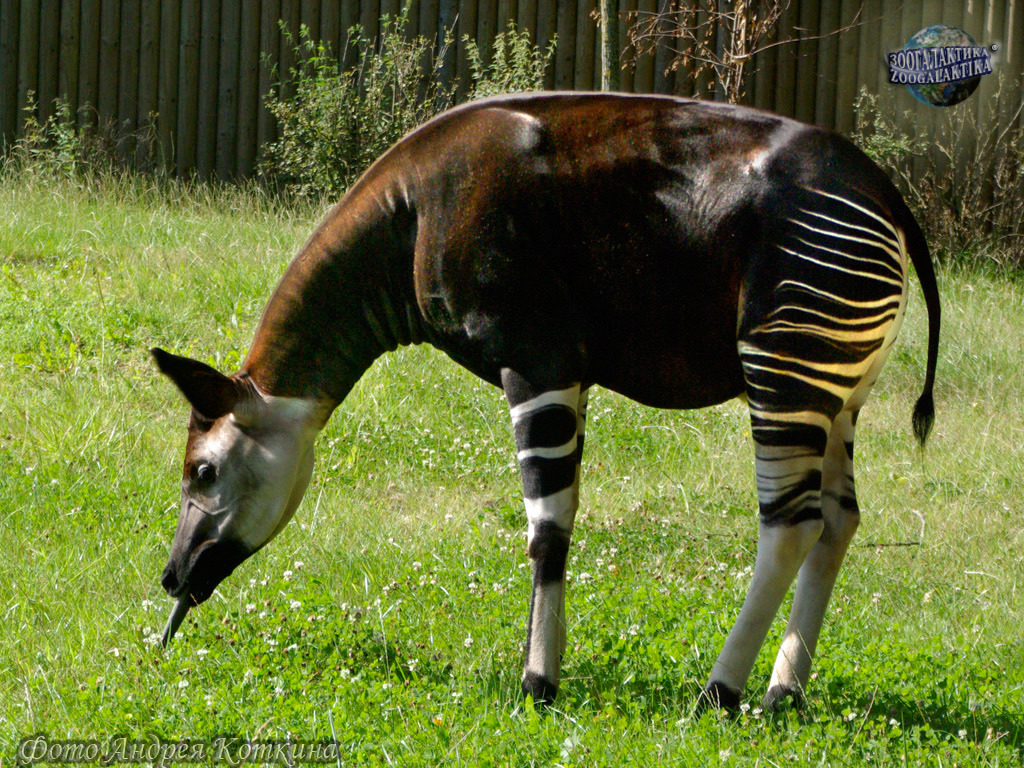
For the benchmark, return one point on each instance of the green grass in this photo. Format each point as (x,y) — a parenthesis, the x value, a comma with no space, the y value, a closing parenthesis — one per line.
(392,612)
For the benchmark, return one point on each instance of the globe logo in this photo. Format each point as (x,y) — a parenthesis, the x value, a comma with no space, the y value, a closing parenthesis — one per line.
(940,65)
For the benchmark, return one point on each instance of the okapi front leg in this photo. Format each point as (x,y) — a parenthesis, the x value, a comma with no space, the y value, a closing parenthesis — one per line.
(546,427)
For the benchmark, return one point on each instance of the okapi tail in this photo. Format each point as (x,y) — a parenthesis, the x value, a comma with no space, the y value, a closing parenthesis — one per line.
(920,255)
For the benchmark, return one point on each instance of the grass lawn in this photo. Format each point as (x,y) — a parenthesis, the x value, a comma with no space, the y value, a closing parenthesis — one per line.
(390,615)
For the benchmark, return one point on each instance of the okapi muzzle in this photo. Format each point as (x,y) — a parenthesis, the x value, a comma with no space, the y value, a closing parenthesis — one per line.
(248,461)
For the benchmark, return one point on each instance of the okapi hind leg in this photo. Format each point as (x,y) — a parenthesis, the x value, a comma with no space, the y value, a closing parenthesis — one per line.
(788,480)
(818,574)
(547,424)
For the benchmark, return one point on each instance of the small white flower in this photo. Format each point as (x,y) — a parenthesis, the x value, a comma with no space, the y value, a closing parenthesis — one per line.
(962,733)
(287,575)
(294,605)
(291,648)
(147,604)
(183,683)
(250,607)
(472,586)
(416,565)
(468,642)
(202,652)
(263,614)
(298,565)
(893,722)
(744,707)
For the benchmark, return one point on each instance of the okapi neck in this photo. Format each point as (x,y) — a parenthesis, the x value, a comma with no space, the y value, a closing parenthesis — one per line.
(346,299)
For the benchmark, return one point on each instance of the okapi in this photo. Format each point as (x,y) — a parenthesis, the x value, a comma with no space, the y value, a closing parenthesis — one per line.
(678,252)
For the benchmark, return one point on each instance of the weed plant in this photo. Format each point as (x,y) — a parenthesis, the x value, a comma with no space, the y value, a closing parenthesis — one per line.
(964,182)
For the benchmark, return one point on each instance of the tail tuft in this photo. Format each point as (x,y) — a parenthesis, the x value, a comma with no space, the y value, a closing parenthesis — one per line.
(924,415)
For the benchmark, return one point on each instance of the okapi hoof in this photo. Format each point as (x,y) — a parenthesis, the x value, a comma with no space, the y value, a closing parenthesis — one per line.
(717,696)
(540,688)
(779,695)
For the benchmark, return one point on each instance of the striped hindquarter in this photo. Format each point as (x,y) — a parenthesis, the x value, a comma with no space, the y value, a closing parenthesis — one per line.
(548,426)
(809,359)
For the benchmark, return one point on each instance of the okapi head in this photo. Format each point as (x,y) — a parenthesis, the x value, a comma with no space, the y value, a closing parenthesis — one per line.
(248,460)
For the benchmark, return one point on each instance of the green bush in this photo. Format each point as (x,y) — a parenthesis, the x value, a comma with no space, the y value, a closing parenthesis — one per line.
(334,123)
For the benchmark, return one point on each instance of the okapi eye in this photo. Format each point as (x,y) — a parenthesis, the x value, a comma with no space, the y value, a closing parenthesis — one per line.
(205,474)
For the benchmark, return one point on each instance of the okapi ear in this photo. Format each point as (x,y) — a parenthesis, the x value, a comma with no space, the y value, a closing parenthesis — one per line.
(209,391)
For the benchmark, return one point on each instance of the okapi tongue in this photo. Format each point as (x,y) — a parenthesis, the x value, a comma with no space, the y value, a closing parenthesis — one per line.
(174,620)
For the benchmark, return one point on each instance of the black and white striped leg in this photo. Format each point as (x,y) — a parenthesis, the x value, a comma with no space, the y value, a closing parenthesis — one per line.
(818,573)
(789,464)
(548,432)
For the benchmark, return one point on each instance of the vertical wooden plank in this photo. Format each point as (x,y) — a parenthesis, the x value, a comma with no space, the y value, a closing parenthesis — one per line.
(663,79)
(167,98)
(643,78)
(248,88)
(447,18)
(28,56)
(1013,51)
(49,55)
(227,101)
(565,52)
(586,33)
(467,27)
(846,68)
(526,17)
(369,17)
(291,13)
(993,31)
(684,69)
(270,12)
(627,18)
(786,62)
(209,79)
(70,19)
(330,25)
(349,19)
(149,72)
(389,8)
(128,93)
(547,21)
(486,27)
(427,15)
(88,62)
(310,19)
(763,72)
(871,61)
(188,86)
(828,59)
(807,61)
(10,13)
(110,60)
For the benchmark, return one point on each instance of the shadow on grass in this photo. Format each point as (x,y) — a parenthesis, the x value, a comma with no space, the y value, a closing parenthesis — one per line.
(980,726)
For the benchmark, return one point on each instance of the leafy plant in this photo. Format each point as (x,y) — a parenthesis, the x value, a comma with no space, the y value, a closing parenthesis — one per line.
(516,64)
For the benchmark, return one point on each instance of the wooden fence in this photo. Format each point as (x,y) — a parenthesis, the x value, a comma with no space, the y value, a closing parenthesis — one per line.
(201,66)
